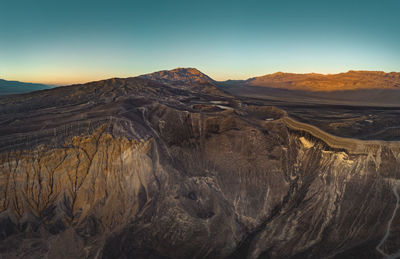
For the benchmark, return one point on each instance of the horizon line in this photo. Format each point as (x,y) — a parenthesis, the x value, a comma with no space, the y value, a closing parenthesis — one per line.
(51,83)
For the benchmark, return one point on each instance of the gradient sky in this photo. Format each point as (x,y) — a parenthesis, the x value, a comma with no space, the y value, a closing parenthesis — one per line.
(69,41)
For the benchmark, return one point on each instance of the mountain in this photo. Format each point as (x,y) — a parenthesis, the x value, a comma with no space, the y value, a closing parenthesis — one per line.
(361,88)
(16,87)
(137,168)
(180,76)
(352,80)
(186,78)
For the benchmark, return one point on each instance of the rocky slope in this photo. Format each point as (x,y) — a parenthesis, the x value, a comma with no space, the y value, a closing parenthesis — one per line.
(136,168)
(352,80)
(186,78)
(182,76)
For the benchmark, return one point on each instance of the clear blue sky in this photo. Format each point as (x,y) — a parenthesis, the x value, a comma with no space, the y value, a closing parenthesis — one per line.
(68,41)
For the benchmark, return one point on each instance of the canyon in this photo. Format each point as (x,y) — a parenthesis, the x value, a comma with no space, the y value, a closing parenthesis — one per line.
(173,165)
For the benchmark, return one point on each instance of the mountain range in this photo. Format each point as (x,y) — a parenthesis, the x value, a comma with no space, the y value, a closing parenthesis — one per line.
(351,80)
(311,82)
(16,87)
(359,88)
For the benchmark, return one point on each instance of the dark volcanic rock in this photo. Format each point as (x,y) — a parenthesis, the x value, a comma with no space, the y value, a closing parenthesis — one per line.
(135,168)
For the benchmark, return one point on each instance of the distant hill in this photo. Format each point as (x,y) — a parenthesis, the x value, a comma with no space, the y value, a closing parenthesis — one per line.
(186,78)
(351,80)
(180,76)
(351,88)
(16,87)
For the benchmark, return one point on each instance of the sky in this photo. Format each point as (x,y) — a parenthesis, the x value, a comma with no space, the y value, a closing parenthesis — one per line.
(69,41)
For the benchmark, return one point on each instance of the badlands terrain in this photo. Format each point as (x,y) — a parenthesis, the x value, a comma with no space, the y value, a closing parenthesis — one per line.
(176,165)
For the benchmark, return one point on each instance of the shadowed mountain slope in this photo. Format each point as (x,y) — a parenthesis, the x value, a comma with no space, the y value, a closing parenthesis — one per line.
(15,87)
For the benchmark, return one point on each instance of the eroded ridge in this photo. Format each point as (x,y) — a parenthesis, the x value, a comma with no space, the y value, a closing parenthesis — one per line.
(55,189)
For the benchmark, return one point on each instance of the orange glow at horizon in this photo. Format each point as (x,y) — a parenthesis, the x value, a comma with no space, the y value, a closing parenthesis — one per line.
(61,79)
(69,78)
